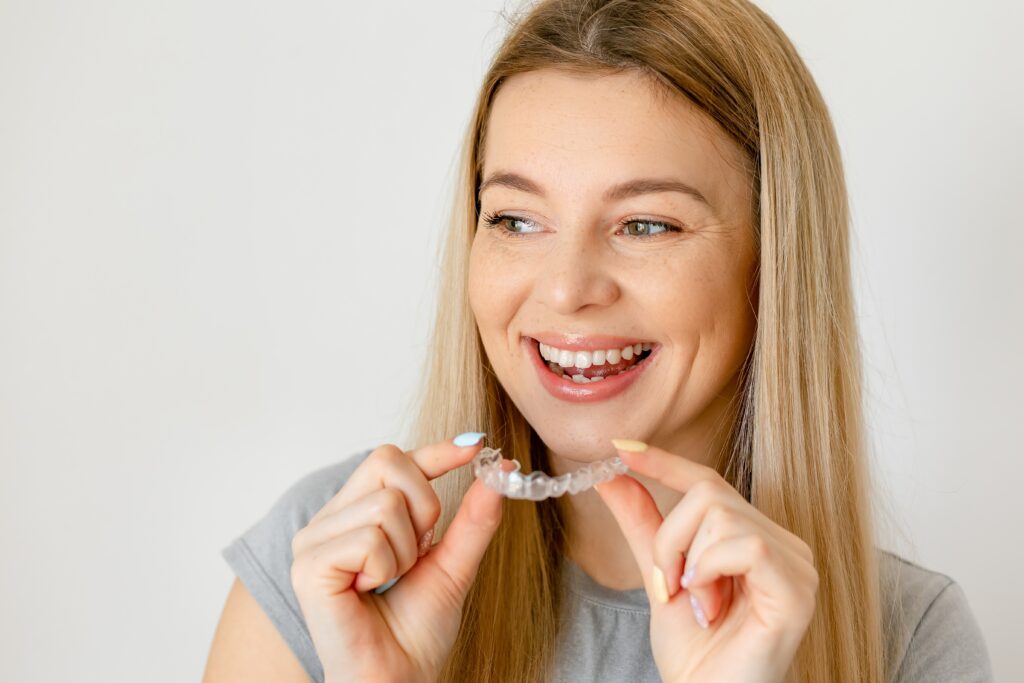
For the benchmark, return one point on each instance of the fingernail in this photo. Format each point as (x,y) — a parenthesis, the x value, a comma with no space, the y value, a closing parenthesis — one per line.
(698,612)
(688,576)
(468,439)
(424,544)
(659,585)
(383,587)
(629,445)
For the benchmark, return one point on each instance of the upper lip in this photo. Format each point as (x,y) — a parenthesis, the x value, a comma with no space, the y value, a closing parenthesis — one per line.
(580,342)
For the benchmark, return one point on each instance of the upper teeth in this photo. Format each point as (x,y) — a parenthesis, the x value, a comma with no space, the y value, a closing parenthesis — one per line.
(584,359)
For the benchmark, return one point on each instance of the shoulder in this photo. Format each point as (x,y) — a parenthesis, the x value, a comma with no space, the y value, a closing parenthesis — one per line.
(931,632)
(302,499)
(261,556)
(310,492)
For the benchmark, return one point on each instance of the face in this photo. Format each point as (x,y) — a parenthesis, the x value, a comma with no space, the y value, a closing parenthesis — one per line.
(612,218)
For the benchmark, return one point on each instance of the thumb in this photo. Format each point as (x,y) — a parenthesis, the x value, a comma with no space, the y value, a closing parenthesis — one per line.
(459,552)
(637,515)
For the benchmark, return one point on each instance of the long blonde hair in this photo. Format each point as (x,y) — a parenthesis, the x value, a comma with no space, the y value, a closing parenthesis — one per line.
(797,448)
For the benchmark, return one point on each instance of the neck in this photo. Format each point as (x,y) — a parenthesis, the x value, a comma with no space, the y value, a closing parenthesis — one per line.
(595,542)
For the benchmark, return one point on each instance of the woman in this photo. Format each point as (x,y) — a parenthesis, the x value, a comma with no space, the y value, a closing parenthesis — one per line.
(649,245)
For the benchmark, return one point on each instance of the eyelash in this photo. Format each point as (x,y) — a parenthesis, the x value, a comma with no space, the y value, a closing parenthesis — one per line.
(492,220)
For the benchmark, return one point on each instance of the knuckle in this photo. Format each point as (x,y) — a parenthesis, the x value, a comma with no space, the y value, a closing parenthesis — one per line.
(717,521)
(376,541)
(298,540)
(716,514)
(704,491)
(391,502)
(433,506)
(760,548)
(387,455)
(811,603)
(700,489)
(814,580)
(300,570)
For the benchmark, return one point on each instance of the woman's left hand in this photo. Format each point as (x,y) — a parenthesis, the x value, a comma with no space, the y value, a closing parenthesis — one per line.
(752,591)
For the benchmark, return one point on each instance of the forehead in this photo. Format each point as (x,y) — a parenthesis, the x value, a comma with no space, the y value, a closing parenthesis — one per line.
(578,134)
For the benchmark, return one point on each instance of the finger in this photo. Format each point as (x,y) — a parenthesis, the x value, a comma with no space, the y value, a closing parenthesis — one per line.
(389,467)
(386,508)
(440,458)
(714,599)
(638,517)
(706,600)
(766,571)
(457,556)
(705,509)
(681,474)
(717,517)
(674,471)
(333,566)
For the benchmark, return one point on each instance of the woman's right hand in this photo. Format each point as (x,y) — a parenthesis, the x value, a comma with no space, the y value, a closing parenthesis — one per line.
(371,531)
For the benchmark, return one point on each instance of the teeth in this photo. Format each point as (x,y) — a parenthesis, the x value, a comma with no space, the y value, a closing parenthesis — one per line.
(585,359)
(580,379)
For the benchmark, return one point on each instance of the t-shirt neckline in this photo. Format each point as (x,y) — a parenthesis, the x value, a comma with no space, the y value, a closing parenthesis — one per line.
(580,583)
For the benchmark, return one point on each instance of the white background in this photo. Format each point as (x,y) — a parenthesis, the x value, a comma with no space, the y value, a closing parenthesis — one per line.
(211,213)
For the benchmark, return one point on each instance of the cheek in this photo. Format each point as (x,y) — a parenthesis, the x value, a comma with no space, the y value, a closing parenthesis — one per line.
(727,318)
(476,282)
(705,301)
(493,284)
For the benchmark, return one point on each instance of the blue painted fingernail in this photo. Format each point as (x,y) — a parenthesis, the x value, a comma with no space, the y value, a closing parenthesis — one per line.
(383,587)
(468,439)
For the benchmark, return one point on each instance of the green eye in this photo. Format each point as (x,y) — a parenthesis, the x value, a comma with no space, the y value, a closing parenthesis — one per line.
(502,221)
(637,228)
(512,221)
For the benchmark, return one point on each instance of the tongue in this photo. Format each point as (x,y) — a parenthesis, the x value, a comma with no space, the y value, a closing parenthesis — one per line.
(602,370)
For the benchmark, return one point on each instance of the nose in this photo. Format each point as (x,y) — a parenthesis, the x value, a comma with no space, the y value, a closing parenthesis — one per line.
(575,274)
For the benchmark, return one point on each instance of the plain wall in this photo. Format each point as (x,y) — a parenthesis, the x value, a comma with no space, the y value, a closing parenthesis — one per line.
(217,233)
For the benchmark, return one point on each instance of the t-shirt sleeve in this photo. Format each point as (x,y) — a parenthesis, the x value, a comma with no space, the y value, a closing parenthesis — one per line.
(262,556)
(947,645)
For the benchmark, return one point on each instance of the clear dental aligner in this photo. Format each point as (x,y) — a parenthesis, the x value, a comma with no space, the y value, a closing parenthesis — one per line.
(539,485)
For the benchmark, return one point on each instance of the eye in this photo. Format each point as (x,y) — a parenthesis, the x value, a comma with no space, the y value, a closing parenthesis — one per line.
(635,227)
(513,226)
(502,220)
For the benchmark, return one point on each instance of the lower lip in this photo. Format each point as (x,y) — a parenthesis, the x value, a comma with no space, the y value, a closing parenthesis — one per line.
(568,390)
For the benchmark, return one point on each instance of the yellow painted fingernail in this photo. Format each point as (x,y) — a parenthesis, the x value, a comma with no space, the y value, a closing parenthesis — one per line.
(630,445)
(659,585)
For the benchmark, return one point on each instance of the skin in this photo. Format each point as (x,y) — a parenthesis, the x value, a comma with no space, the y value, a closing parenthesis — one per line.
(579,271)
(564,263)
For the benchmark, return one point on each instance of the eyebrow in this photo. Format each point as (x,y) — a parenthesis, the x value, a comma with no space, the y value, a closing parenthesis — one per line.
(629,188)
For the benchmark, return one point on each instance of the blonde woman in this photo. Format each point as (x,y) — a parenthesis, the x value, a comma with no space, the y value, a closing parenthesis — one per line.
(647,258)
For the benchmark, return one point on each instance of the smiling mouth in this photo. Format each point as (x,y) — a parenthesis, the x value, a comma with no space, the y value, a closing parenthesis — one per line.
(583,367)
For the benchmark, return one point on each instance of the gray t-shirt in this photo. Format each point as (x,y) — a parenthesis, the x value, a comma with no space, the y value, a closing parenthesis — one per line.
(606,632)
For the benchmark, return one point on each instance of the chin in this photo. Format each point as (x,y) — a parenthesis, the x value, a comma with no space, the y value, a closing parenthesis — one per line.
(582,441)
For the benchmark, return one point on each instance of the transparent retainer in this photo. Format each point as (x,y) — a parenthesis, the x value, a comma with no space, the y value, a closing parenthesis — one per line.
(540,485)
